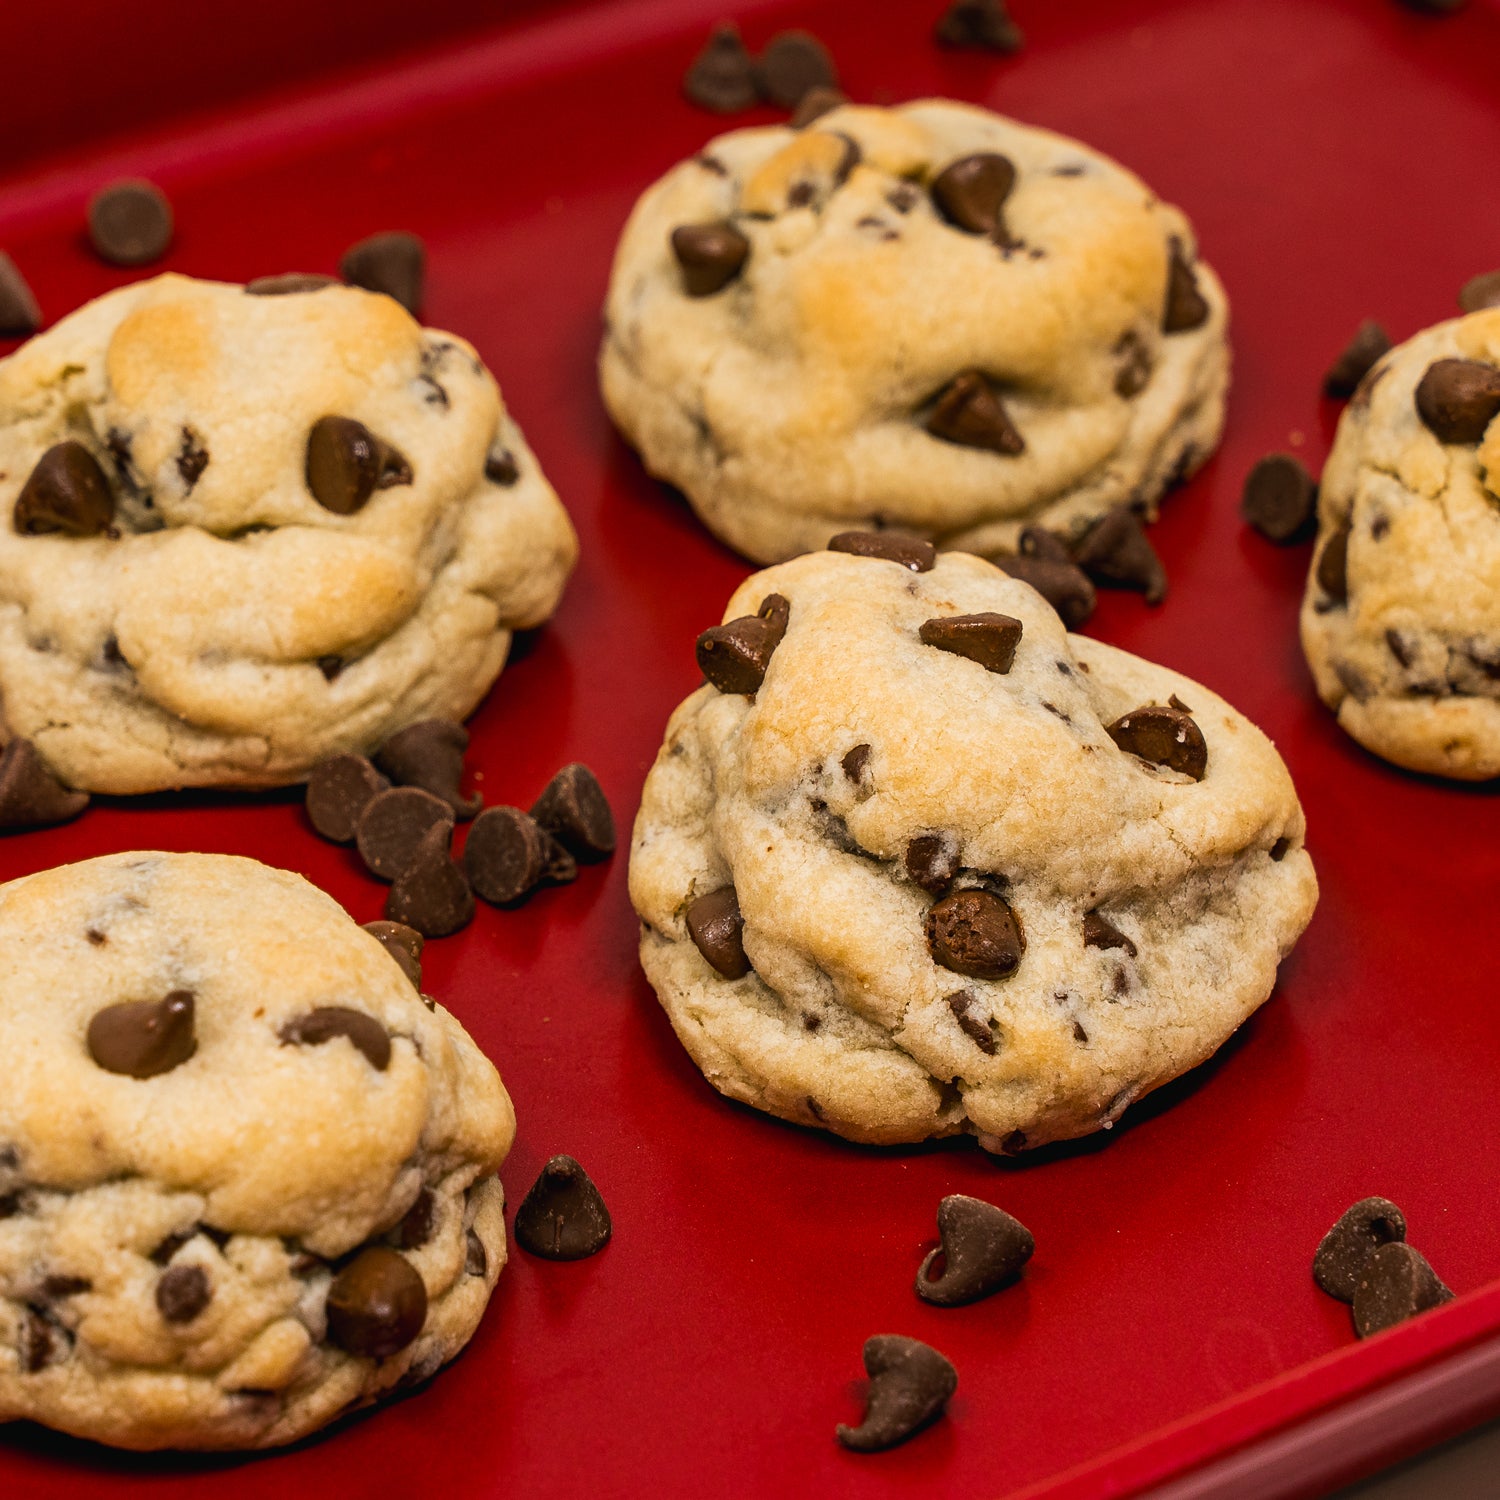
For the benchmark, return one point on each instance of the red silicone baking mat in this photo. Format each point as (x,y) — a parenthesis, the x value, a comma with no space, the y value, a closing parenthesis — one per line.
(1337,157)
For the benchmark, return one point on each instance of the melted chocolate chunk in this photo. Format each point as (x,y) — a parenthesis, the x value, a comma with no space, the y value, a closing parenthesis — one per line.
(910,1384)
(975,933)
(968,412)
(981,1032)
(574,810)
(1100,932)
(988,638)
(890,546)
(66,492)
(854,763)
(718,932)
(721,78)
(815,104)
(1358,357)
(326,1023)
(1479,292)
(416,1225)
(1116,551)
(734,657)
(983,1249)
(979,26)
(1360,1231)
(970,193)
(347,463)
(506,855)
(432,893)
(1165,737)
(289,284)
(30,795)
(711,256)
(932,861)
(338,791)
(404,944)
(430,755)
(142,1038)
(392,826)
(1458,399)
(19,313)
(376,1305)
(394,262)
(130,223)
(1395,1283)
(1186,308)
(1062,584)
(1333,564)
(563,1217)
(792,65)
(476,1262)
(1279,498)
(182,1292)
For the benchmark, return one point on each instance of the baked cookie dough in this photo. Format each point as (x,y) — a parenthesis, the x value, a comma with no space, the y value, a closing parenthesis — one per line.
(946,867)
(240,533)
(246,1170)
(1401,619)
(928,317)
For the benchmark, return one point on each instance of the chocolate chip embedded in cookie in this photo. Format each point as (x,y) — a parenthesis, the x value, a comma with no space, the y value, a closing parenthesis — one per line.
(1458,399)
(30,795)
(66,492)
(711,256)
(734,657)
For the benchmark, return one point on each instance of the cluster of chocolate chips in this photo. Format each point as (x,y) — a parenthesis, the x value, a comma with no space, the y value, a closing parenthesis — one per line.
(1364,1260)
(1114,552)
(393,262)
(726,79)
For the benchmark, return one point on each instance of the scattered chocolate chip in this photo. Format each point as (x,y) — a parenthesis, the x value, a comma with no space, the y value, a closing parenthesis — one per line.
(415,1228)
(1395,1283)
(573,808)
(792,65)
(711,256)
(501,468)
(394,262)
(30,795)
(968,412)
(978,1031)
(476,1262)
(987,638)
(142,1038)
(970,193)
(1361,1230)
(1100,932)
(404,944)
(563,1217)
(932,861)
(289,284)
(432,893)
(182,1292)
(1279,498)
(815,104)
(505,855)
(910,1383)
(721,78)
(718,931)
(377,1304)
(983,1248)
(1479,292)
(734,657)
(1186,307)
(65,492)
(979,26)
(130,223)
(1458,399)
(430,755)
(1116,551)
(392,825)
(338,791)
(1165,737)
(19,313)
(854,762)
(327,1022)
(1333,563)
(975,933)
(192,458)
(347,463)
(1062,584)
(1358,358)
(890,546)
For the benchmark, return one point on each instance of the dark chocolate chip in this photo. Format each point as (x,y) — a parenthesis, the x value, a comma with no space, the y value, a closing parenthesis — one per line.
(30,795)
(171,1245)
(563,1217)
(415,1228)
(711,256)
(130,223)
(978,1031)
(975,933)
(1479,292)
(57,1286)
(19,313)
(192,458)
(501,468)
(1079,1034)
(910,1383)
(43,1341)
(983,1249)
(328,1022)
(1280,849)
(142,1038)
(970,193)
(1458,399)
(347,463)
(289,284)
(968,412)
(1400,645)
(1356,360)
(1117,552)
(890,546)
(792,65)
(338,791)
(734,657)
(1343,1251)
(394,262)
(182,1292)
(1395,1283)
(1100,932)
(815,104)
(377,1304)
(404,944)
(1165,737)
(854,762)
(718,931)
(1333,564)
(1186,307)
(561,867)
(932,861)
(476,1262)
(721,78)
(392,825)
(979,26)
(1134,373)
(1279,498)
(573,808)
(987,638)
(66,492)
(505,855)
(1062,584)
(331,667)
(432,893)
(430,755)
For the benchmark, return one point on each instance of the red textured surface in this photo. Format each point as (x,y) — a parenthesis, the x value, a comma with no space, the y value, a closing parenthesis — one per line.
(1336,157)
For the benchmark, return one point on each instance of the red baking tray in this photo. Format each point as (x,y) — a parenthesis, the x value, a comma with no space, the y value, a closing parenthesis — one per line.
(1338,159)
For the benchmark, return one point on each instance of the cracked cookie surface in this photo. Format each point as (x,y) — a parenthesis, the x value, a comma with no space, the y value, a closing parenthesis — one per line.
(282,527)
(910,889)
(202,1246)
(929,317)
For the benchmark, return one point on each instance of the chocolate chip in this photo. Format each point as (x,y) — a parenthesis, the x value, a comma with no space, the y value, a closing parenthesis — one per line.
(932,861)
(563,1217)
(404,944)
(793,64)
(430,755)
(1116,551)
(1165,737)
(1401,646)
(1358,358)
(1280,849)
(171,1245)
(182,1292)
(331,667)
(890,546)
(394,262)
(432,893)
(1480,292)
(338,791)
(987,638)
(1332,570)
(1134,373)
(1186,307)
(975,933)
(815,104)
(573,809)
(505,855)
(1458,399)
(65,492)
(970,193)
(192,458)
(130,223)
(854,762)
(978,1031)
(43,1341)
(328,1022)
(968,412)
(30,795)
(393,824)
(1279,498)
(142,1038)
(347,463)
(721,78)
(983,1248)
(377,1304)
(57,1286)
(711,256)
(19,313)
(734,657)
(289,284)
(1063,585)
(979,26)
(718,931)
(561,867)
(910,1383)
(415,1228)
(476,1262)
(1100,932)
(1343,1251)
(501,468)
(1395,1283)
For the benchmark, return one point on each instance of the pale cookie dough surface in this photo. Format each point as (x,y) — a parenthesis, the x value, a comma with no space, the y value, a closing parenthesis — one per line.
(788,406)
(1410,659)
(262,1163)
(845,1020)
(235,632)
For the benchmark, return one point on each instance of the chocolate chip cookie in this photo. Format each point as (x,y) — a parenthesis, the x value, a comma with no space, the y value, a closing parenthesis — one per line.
(916,861)
(247,1172)
(928,317)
